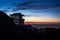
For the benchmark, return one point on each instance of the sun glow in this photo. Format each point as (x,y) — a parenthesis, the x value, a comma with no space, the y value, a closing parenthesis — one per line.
(41,19)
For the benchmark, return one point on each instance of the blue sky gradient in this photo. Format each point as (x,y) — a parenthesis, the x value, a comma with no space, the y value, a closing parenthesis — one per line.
(33,8)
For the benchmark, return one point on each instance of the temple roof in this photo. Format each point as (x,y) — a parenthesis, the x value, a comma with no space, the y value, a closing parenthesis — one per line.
(17,14)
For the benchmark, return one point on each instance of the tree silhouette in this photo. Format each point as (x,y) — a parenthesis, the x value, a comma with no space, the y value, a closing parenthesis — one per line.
(6,23)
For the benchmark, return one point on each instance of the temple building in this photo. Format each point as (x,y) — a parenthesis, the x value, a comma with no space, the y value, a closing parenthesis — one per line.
(18,18)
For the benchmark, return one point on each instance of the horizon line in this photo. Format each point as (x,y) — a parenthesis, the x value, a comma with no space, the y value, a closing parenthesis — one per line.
(43,22)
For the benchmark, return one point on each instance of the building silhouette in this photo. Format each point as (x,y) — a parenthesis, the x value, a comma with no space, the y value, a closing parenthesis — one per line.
(18,19)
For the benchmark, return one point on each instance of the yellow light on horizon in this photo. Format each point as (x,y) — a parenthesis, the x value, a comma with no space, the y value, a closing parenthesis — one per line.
(41,19)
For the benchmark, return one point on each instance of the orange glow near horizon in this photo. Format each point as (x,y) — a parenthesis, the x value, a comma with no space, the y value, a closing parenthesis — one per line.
(40,19)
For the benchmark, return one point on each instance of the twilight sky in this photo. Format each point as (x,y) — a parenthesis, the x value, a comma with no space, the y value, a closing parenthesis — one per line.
(35,10)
